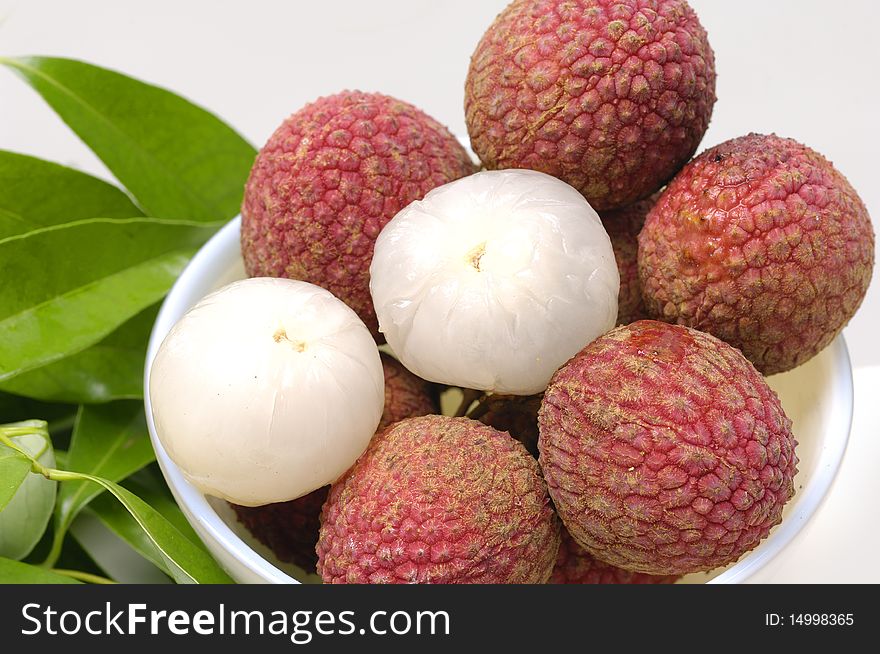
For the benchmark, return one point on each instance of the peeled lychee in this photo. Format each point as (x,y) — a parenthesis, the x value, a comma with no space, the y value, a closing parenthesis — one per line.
(290,529)
(439,500)
(763,243)
(623,227)
(266,390)
(493,281)
(574,565)
(664,450)
(515,414)
(328,181)
(612,97)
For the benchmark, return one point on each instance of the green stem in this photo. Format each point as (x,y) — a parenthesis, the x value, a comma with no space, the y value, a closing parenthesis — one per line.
(27,428)
(61,529)
(55,552)
(6,439)
(43,449)
(83,576)
(64,475)
(16,432)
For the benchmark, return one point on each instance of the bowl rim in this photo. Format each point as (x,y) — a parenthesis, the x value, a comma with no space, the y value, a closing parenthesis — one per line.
(208,262)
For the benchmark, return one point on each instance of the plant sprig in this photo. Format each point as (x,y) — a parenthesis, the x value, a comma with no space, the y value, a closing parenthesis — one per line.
(91,260)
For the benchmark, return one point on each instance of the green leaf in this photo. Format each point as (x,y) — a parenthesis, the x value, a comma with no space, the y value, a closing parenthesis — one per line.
(185,561)
(116,518)
(109,440)
(75,283)
(36,193)
(149,484)
(24,519)
(13,572)
(117,560)
(177,159)
(14,469)
(113,369)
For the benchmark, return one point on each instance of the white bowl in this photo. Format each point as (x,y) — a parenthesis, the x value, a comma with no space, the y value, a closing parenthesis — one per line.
(817,396)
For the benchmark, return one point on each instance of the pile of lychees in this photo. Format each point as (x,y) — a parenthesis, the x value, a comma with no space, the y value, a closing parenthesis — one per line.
(593,445)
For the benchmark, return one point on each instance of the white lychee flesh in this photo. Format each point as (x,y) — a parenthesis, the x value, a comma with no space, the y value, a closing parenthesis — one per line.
(266,390)
(493,281)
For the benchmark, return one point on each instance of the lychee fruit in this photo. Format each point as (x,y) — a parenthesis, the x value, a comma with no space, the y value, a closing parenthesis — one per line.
(623,227)
(763,243)
(266,390)
(574,565)
(515,414)
(330,178)
(612,97)
(439,500)
(493,281)
(664,450)
(290,529)
(406,396)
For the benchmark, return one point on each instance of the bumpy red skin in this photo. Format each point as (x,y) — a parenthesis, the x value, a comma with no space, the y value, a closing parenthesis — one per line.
(763,243)
(610,96)
(665,451)
(439,500)
(290,529)
(623,227)
(330,178)
(574,565)
(517,415)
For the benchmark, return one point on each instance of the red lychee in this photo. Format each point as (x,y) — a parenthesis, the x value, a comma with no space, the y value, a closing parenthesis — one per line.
(439,500)
(290,529)
(664,450)
(574,565)
(610,96)
(328,181)
(623,227)
(763,243)
(515,414)
(406,396)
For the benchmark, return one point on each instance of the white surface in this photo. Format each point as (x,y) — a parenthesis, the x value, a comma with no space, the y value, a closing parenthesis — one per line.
(817,396)
(805,69)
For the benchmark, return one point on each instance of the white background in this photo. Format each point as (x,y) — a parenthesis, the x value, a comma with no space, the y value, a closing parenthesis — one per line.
(804,69)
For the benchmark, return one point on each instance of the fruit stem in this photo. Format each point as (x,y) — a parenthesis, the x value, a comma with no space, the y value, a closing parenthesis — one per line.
(469,396)
(480,409)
